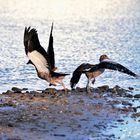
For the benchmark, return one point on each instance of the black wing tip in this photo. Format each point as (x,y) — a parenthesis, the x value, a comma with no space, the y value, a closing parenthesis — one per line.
(29,29)
(64,74)
(51,36)
(52,24)
(51,29)
(56,74)
(114,66)
(73,83)
(29,32)
(135,75)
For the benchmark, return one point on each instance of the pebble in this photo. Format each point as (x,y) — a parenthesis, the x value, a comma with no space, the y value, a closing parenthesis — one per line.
(126,103)
(8,92)
(80,89)
(129,95)
(135,109)
(137,96)
(10,125)
(130,88)
(115,89)
(120,120)
(104,88)
(60,135)
(16,90)
(25,89)
(136,115)
(129,109)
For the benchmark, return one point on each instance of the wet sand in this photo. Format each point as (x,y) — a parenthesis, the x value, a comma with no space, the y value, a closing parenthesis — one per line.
(53,114)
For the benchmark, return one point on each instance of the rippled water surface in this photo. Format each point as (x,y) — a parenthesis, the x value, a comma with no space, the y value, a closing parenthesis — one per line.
(83,30)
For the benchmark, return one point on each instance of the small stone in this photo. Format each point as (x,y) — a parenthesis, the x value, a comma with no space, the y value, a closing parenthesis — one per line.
(137,96)
(120,120)
(130,88)
(129,95)
(104,88)
(50,91)
(31,98)
(115,89)
(8,92)
(44,91)
(129,109)
(25,89)
(136,115)
(16,90)
(10,103)
(126,103)
(33,92)
(42,95)
(138,106)
(60,135)
(10,125)
(135,109)
(35,114)
(80,89)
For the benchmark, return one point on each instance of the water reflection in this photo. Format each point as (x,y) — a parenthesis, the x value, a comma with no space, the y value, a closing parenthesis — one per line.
(68,9)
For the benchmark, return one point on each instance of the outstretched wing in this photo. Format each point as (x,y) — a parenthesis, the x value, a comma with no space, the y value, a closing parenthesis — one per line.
(112,66)
(78,72)
(31,41)
(50,50)
(35,52)
(25,39)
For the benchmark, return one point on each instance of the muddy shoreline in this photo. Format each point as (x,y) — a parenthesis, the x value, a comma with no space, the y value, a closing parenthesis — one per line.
(51,114)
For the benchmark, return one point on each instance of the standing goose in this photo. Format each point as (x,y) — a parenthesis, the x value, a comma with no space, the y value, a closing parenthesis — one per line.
(92,71)
(43,61)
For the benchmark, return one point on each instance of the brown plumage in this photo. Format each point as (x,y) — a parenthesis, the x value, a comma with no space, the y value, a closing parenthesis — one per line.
(92,71)
(44,62)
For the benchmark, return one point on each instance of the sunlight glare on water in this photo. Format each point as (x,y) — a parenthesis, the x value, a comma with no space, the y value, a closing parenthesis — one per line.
(68,9)
(86,27)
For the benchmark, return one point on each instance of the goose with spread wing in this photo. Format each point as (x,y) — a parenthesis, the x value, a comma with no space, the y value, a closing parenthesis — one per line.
(44,62)
(92,71)
(50,52)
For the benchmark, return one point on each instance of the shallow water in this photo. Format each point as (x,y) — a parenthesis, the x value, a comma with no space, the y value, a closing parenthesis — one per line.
(83,30)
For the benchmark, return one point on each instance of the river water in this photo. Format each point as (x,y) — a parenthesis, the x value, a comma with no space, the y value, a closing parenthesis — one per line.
(83,30)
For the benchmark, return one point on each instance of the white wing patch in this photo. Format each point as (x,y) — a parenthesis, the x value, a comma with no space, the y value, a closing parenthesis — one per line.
(39,61)
(87,69)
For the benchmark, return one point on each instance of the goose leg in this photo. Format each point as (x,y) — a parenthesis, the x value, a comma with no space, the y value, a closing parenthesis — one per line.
(88,85)
(65,89)
(93,81)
